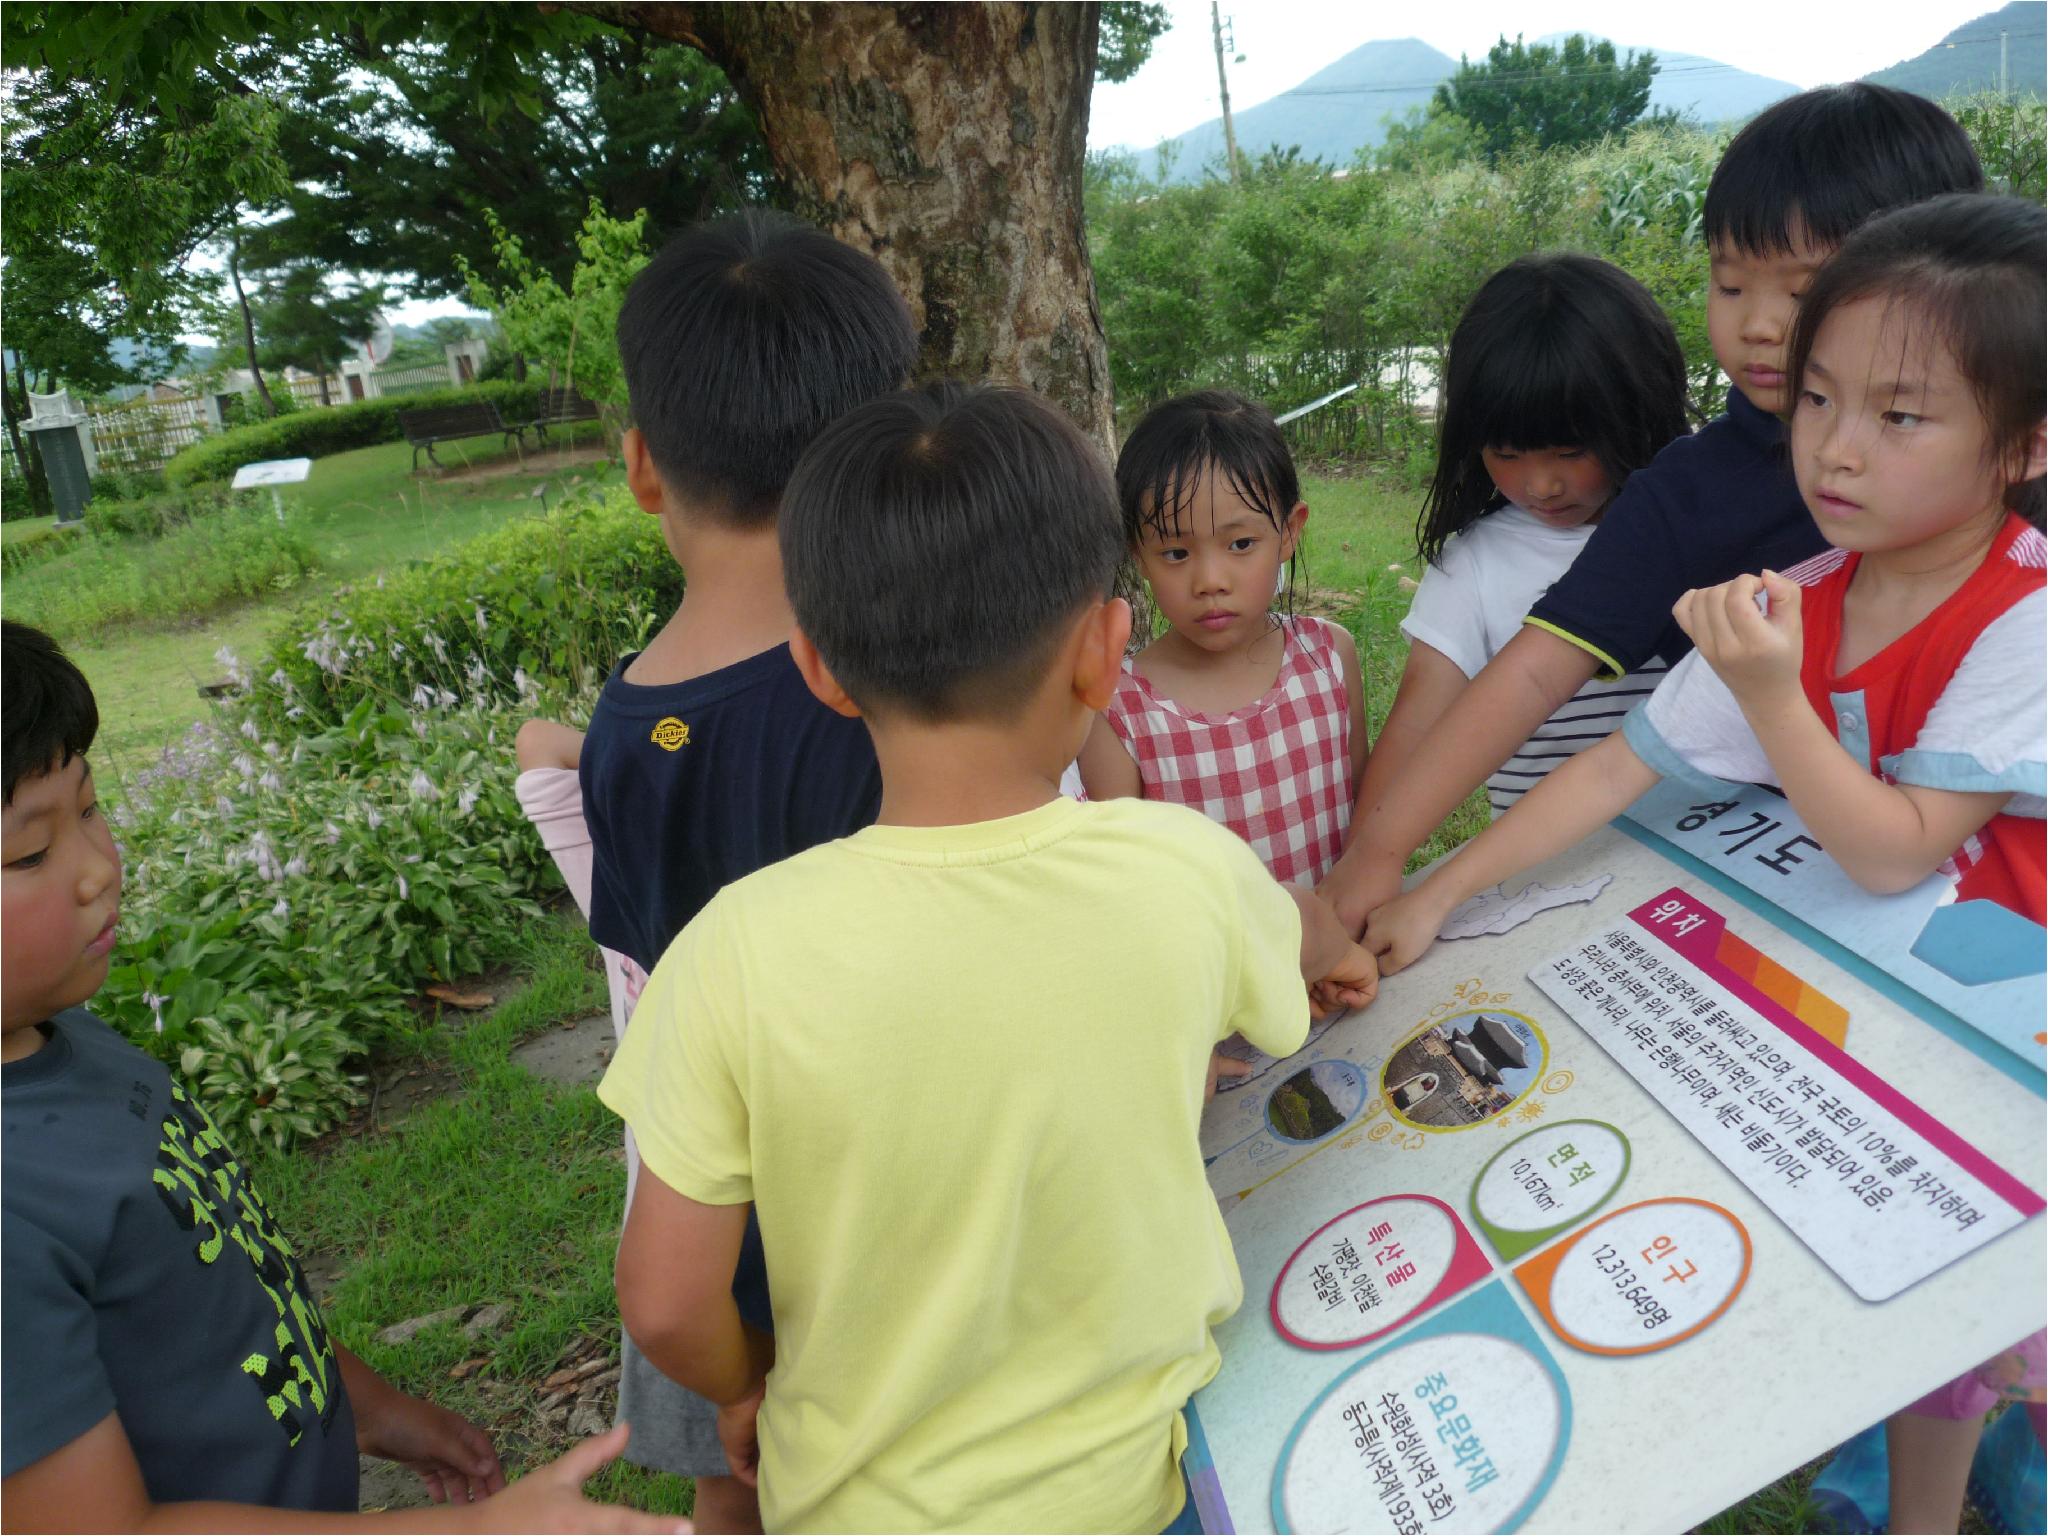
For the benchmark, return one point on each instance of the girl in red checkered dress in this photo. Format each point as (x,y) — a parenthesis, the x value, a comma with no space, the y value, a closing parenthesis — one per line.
(1252,717)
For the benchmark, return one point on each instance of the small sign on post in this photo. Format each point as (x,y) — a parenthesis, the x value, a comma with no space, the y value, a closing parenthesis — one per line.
(273,473)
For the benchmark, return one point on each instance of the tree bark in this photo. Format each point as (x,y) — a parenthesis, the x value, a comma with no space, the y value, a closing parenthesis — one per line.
(248,325)
(946,140)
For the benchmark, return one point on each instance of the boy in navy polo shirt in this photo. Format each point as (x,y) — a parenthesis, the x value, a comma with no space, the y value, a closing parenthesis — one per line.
(707,758)
(1710,507)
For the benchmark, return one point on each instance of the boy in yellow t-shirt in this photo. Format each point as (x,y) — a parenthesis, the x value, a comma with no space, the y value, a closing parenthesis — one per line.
(957,1060)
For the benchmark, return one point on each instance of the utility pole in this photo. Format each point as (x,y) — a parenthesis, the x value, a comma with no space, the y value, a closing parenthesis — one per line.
(2001,68)
(1223,90)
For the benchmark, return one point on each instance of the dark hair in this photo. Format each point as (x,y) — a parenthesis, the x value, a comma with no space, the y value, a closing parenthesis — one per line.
(47,713)
(1822,162)
(741,339)
(1972,270)
(1556,351)
(934,542)
(1179,441)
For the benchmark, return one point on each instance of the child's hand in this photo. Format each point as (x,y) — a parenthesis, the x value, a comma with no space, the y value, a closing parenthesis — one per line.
(1401,932)
(452,1456)
(1756,654)
(1352,983)
(739,1434)
(550,1498)
(1220,1067)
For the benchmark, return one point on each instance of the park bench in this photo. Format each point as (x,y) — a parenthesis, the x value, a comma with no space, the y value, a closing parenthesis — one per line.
(444,423)
(560,407)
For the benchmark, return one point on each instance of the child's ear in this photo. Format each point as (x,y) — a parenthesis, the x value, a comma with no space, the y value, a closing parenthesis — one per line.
(1099,659)
(818,677)
(1290,535)
(642,478)
(2037,454)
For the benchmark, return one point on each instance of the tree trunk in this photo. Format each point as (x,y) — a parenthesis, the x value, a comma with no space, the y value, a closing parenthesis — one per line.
(248,326)
(948,141)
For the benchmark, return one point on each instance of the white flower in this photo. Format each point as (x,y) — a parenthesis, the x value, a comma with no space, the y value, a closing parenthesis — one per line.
(397,650)
(264,857)
(422,787)
(296,866)
(272,750)
(482,623)
(294,713)
(232,664)
(445,697)
(298,749)
(404,890)
(374,817)
(332,833)
(271,781)
(282,909)
(435,644)
(249,729)
(422,697)
(476,670)
(419,729)
(281,680)
(156,1001)
(245,765)
(465,802)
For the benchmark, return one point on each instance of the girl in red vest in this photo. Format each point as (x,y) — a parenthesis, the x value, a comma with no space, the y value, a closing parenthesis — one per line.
(1892,686)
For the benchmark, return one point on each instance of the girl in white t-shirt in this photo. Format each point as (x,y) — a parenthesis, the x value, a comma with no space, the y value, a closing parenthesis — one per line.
(1563,379)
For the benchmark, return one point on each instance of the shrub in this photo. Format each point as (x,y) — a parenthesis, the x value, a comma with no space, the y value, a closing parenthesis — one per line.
(152,514)
(313,434)
(286,898)
(30,547)
(541,604)
(98,580)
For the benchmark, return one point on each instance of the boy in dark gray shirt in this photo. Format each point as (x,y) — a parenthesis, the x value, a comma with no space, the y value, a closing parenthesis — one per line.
(165,1362)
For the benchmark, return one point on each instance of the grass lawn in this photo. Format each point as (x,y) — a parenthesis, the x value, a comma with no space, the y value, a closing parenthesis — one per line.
(509,1190)
(18,528)
(364,512)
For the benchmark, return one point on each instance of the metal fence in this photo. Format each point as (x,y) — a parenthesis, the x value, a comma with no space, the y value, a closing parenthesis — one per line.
(143,434)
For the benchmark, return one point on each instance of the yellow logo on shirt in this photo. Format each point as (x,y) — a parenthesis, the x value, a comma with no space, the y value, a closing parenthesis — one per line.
(670,733)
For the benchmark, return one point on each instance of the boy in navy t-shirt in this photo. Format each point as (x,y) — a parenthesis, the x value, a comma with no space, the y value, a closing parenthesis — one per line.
(707,758)
(1710,507)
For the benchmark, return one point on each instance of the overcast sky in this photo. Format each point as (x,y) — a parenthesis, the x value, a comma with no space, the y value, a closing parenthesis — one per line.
(1286,41)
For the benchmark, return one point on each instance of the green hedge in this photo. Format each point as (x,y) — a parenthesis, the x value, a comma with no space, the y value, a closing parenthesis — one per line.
(538,608)
(313,434)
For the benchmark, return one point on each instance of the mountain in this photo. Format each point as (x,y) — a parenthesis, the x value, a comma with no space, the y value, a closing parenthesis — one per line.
(1344,108)
(1332,115)
(1967,59)
(1704,89)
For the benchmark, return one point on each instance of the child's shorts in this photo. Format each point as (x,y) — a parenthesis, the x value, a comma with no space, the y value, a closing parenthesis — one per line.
(675,1430)
(2013,1375)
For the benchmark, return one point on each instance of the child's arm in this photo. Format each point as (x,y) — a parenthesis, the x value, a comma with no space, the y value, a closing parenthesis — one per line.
(1108,771)
(547,744)
(674,1277)
(1573,800)
(94,1484)
(1354,685)
(1430,684)
(1514,693)
(1886,837)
